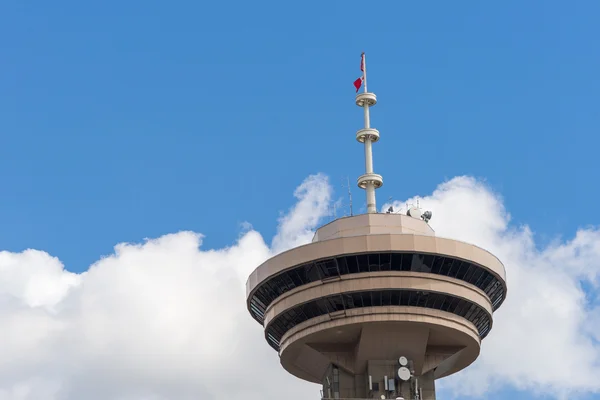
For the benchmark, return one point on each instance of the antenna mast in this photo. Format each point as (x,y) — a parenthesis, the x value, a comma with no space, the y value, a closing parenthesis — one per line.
(369,181)
(349,195)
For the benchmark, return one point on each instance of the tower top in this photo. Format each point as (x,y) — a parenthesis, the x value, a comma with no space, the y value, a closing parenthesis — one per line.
(369,181)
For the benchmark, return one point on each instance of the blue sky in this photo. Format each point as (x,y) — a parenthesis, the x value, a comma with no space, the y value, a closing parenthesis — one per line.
(126,120)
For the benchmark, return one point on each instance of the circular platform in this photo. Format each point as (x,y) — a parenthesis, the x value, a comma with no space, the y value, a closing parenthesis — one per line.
(377,287)
(363,180)
(365,133)
(366,98)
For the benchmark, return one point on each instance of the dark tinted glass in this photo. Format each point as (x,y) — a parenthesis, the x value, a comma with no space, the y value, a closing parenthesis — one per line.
(438,301)
(375,262)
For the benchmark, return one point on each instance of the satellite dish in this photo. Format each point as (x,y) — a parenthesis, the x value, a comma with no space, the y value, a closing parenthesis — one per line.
(414,212)
(403,373)
(426,216)
(403,361)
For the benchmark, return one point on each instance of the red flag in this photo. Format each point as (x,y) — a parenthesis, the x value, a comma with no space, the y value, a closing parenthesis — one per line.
(358,83)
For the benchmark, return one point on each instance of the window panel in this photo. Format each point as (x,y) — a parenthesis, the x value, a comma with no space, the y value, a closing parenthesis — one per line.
(343,265)
(434,300)
(374,264)
(406,262)
(446,303)
(496,289)
(456,265)
(461,307)
(358,300)
(430,298)
(446,266)
(385,260)
(421,298)
(477,275)
(418,263)
(363,263)
(312,272)
(348,301)
(462,271)
(396,262)
(367,301)
(376,298)
(485,281)
(412,298)
(352,264)
(386,298)
(470,271)
(437,264)
(453,304)
(404,297)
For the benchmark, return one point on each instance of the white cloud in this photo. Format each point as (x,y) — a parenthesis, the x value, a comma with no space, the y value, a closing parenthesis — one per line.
(160,320)
(167,320)
(542,336)
(298,225)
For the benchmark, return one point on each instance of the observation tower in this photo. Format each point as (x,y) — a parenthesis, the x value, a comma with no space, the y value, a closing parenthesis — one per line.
(377,306)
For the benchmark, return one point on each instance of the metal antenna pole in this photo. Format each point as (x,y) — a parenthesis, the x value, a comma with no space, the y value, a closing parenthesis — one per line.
(350,196)
(370,180)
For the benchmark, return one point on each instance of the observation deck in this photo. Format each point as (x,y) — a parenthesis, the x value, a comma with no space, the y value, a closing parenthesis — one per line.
(369,289)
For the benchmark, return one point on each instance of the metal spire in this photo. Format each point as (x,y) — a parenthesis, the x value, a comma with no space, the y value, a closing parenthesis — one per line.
(369,181)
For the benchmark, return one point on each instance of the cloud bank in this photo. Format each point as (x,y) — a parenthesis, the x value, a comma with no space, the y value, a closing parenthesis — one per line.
(166,319)
(545,335)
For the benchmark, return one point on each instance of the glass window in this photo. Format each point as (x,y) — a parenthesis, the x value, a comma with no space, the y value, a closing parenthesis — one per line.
(404,297)
(445,304)
(446,266)
(312,272)
(418,263)
(358,300)
(470,312)
(395,300)
(352,264)
(374,264)
(422,298)
(433,300)
(412,298)
(406,262)
(363,263)
(484,280)
(456,265)
(386,298)
(322,306)
(396,263)
(386,261)
(477,275)
(376,298)
(462,271)
(462,308)
(348,301)
(470,271)
(437,264)
(343,265)
(336,303)
(366,298)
